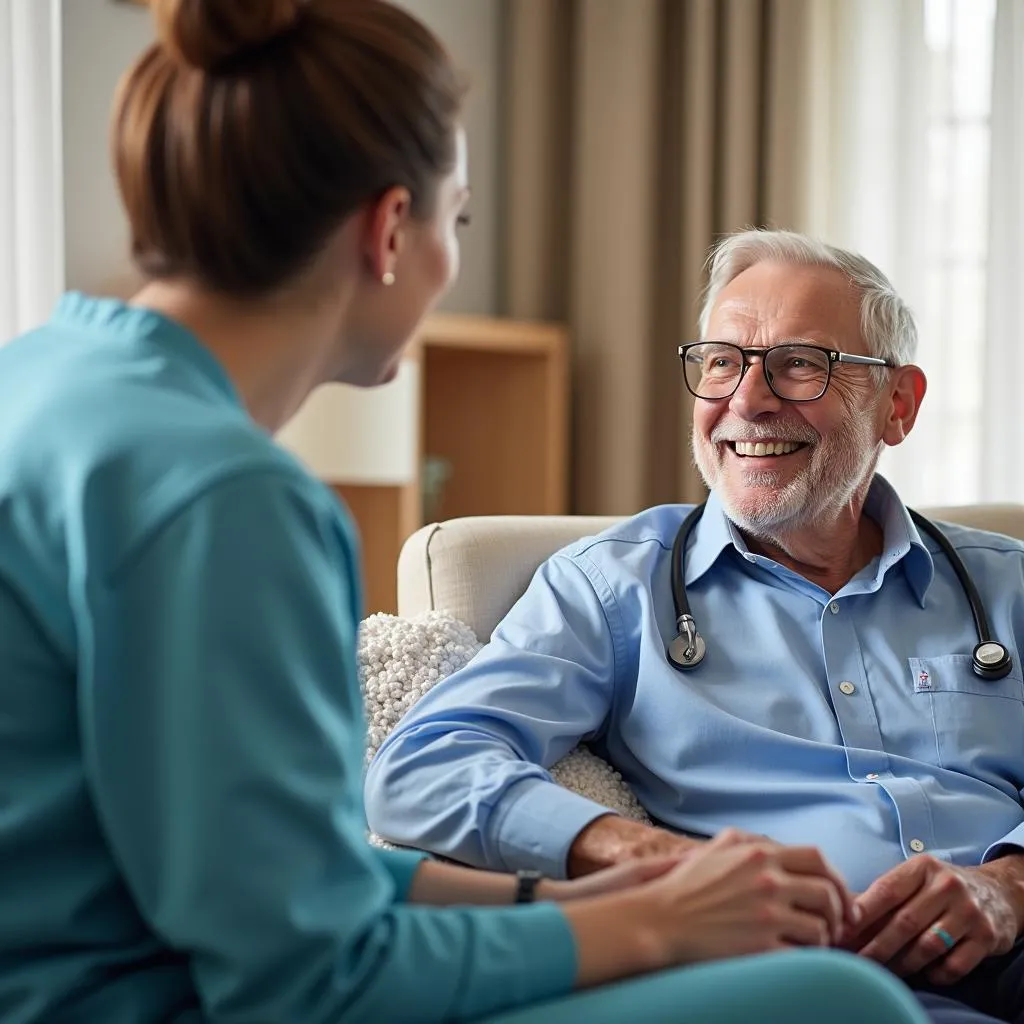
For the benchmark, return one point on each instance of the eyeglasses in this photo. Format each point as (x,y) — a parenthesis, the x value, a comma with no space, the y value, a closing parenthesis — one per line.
(795,371)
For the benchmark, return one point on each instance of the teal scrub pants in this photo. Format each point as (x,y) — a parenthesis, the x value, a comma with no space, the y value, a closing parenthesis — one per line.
(799,987)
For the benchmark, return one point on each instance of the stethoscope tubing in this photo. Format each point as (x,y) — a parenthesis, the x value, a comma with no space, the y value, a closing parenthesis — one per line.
(991,659)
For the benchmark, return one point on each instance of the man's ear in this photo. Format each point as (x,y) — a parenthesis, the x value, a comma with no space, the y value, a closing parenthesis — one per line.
(384,233)
(906,391)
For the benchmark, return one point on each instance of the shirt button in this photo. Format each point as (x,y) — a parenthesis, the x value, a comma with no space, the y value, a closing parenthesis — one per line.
(916,845)
(871,776)
(834,607)
(847,688)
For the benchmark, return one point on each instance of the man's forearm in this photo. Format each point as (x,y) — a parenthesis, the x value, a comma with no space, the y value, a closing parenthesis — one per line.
(612,840)
(1008,870)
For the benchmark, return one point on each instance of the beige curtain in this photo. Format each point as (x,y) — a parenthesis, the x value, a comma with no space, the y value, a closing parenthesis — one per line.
(637,131)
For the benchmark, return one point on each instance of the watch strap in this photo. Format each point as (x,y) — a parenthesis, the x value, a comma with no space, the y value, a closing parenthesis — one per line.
(526,886)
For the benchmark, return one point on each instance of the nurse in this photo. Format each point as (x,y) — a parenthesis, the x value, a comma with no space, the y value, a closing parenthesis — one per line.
(181,731)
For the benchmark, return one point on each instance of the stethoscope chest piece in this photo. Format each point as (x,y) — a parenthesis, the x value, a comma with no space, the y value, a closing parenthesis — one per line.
(687,648)
(991,660)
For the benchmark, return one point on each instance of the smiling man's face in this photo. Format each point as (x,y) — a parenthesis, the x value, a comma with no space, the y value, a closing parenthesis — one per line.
(776,465)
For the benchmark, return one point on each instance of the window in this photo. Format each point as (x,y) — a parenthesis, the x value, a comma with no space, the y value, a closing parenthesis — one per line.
(951,317)
(907,183)
(31,257)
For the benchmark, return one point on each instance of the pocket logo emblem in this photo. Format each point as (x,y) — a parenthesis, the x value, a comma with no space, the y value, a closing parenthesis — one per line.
(923,682)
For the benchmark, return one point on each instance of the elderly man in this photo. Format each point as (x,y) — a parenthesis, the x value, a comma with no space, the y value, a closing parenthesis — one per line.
(837,703)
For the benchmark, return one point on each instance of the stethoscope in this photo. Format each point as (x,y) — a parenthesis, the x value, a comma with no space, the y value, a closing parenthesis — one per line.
(990,659)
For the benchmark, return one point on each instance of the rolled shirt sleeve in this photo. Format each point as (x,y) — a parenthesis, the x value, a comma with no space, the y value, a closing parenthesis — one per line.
(1012,842)
(465,772)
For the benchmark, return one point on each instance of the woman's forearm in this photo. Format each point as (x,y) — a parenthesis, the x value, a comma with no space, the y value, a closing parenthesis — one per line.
(442,885)
(612,938)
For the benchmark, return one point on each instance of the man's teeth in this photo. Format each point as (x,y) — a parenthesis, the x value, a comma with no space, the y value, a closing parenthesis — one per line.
(765,448)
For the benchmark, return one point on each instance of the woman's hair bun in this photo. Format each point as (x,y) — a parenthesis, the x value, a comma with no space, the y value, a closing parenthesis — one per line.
(207,34)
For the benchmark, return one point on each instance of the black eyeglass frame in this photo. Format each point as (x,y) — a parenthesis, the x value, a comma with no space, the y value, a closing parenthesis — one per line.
(834,357)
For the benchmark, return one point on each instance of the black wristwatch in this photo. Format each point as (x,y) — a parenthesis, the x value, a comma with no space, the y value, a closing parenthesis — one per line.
(526,886)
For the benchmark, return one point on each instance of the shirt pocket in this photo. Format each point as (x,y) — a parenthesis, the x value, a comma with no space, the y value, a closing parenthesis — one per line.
(978,723)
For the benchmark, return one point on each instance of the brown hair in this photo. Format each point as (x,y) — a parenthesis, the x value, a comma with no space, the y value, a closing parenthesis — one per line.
(246,135)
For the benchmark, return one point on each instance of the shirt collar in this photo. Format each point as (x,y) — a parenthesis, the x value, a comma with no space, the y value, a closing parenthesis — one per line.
(716,533)
(711,536)
(111,317)
(901,538)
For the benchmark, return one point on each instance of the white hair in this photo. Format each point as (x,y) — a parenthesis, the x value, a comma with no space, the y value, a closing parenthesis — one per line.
(885,319)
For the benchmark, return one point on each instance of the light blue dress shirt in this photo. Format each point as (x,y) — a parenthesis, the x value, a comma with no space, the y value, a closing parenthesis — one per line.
(182,836)
(852,722)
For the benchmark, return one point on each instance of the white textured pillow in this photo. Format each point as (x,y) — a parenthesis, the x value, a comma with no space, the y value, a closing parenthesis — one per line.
(401,659)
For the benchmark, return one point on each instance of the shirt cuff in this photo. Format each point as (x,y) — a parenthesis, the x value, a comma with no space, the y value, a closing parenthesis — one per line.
(401,865)
(1012,842)
(536,823)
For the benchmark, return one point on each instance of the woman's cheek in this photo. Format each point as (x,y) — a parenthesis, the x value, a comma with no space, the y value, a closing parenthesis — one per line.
(453,255)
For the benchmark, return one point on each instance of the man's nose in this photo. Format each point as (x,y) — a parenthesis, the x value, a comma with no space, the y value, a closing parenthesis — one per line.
(753,397)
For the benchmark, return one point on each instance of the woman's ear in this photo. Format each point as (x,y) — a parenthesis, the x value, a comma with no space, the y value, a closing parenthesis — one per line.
(906,391)
(384,233)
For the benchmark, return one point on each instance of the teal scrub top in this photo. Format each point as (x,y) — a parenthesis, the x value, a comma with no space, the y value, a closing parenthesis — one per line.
(182,835)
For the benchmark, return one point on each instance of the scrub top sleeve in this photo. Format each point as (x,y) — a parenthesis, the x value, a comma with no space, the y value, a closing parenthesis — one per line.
(223,739)
(401,865)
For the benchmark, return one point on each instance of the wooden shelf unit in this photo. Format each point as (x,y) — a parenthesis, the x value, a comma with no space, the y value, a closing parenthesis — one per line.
(494,405)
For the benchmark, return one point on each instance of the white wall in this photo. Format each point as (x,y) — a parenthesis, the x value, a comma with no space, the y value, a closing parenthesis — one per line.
(471,29)
(102,37)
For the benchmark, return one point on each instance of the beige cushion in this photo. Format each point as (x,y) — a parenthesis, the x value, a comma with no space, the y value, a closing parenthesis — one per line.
(476,568)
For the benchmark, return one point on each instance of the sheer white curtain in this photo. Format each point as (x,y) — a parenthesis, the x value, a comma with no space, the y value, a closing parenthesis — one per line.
(1002,425)
(31,215)
(904,178)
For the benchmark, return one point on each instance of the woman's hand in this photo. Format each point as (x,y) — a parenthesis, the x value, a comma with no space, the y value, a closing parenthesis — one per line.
(732,896)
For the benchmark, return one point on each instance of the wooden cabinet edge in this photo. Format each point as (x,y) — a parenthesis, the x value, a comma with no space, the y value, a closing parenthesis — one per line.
(485,333)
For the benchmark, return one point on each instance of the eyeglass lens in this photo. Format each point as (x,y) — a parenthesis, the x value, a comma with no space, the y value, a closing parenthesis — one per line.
(796,373)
